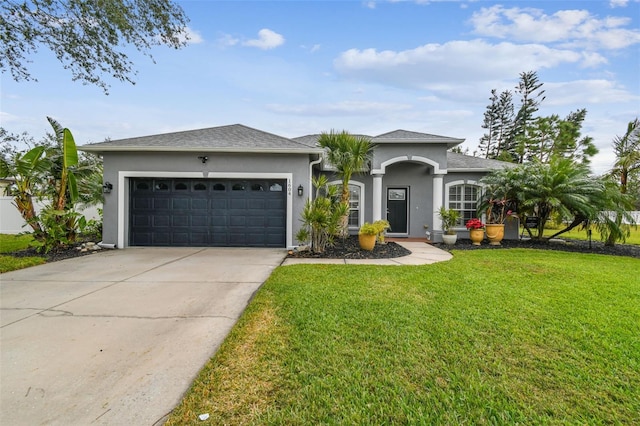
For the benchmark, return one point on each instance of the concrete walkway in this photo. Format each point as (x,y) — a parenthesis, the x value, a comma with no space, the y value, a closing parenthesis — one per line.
(421,254)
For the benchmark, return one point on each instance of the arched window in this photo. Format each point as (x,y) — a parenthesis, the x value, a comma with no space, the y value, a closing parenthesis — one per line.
(463,196)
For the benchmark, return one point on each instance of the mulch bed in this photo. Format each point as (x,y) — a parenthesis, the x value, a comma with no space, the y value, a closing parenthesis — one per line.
(576,246)
(349,248)
(56,254)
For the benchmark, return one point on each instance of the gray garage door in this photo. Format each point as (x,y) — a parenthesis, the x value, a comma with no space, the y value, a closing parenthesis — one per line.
(207,212)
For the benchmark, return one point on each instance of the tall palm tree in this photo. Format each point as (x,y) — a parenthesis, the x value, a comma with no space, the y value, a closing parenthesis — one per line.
(349,155)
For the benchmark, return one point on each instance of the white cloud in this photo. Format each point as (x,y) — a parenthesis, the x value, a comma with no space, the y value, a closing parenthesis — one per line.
(618,3)
(569,27)
(458,64)
(191,36)
(227,40)
(266,40)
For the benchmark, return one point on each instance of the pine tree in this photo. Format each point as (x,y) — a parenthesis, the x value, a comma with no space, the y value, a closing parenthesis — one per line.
(498,120)
(488,142)
(531,95)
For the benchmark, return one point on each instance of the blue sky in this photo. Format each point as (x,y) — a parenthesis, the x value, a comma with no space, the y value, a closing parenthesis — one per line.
(300,67)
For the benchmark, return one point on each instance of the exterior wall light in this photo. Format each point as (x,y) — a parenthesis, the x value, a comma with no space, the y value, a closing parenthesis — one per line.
(300,191)
(107,187)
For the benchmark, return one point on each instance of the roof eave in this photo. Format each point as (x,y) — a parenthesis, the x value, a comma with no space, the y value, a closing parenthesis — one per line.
(450,143)
(101,149)
(470,170)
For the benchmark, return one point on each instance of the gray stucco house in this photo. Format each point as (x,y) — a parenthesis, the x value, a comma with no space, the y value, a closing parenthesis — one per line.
(238,186)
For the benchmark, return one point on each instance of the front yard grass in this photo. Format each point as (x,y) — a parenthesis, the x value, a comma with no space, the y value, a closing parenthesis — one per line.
(581,234)
(13,243)
(490,337)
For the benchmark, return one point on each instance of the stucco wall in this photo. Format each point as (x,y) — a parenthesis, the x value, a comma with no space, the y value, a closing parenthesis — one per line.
(218,163)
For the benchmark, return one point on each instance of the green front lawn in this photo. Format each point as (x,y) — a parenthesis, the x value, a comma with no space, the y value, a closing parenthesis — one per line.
(13,243)
(490,337)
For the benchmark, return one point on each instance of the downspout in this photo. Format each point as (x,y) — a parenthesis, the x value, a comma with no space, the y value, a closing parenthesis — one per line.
(311,164)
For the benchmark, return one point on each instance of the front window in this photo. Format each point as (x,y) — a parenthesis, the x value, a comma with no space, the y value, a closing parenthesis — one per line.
(464,199)
(355,204)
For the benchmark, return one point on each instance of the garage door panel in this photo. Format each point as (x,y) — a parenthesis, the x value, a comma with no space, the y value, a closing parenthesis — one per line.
(161,221)
(237,221)
(161,238)
(140,220)
(199,204)
(180,204)
(256,204)
(204,212)
(181,221)
(200,238)
(237,204)
(180,238)
(142,203)
(275,222)
(160,203)
(199,220)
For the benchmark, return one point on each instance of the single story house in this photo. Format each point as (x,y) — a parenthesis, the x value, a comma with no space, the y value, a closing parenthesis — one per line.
(238,186)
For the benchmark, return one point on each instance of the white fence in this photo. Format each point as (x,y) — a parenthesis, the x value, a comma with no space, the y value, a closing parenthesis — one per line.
(634,214)
(11,221)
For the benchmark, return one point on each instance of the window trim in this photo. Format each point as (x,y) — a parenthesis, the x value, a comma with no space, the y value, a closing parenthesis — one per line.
(469,182)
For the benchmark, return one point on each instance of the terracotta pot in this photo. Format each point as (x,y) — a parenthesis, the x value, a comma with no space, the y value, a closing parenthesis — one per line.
(476,236)
(495,233)
(367,242)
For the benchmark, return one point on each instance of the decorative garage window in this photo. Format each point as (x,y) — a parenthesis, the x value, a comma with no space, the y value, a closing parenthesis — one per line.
(257,187)
(181,186)
(238,187)
(356,194)
(275,187)
(143,186)
(161,186)
(219,187)
(200,187)
(463,197)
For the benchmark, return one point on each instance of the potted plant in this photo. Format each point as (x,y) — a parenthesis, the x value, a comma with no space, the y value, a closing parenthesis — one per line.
(476,230)
(498,203)
(382,226)
(449,219)
(367,236)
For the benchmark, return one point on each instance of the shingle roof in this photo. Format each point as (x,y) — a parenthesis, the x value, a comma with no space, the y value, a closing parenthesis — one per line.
(405,136)
(312,140)
(396,136)
(461,162)
(232,138)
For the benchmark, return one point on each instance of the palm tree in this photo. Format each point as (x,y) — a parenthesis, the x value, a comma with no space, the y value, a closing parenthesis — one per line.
(561,186)
(349,155)
(627,150)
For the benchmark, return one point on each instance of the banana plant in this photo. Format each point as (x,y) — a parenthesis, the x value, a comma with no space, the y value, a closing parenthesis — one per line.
(67,187)
(27,169)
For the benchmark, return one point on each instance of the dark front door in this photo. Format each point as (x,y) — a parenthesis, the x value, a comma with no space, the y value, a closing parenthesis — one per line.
(397,212)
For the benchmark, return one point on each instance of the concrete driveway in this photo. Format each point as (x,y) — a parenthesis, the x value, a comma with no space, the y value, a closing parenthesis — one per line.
(117,338)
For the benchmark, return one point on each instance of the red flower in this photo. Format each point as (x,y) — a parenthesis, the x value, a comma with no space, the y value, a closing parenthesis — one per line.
(474,223)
